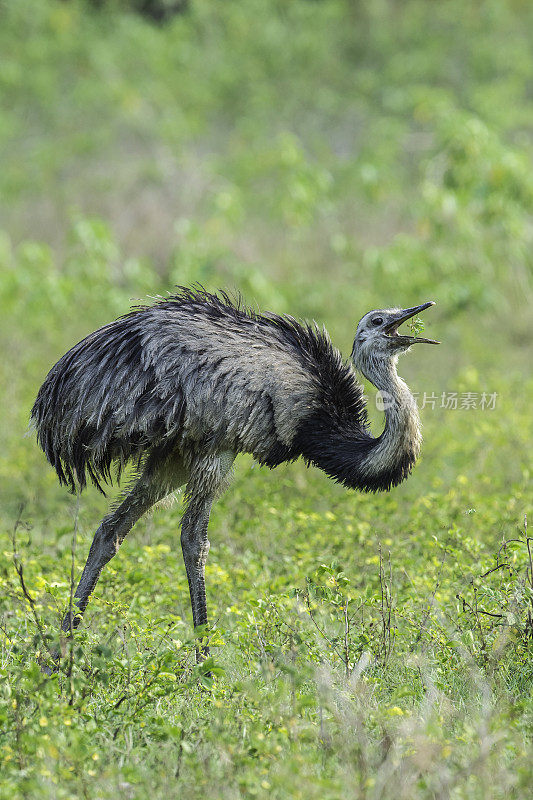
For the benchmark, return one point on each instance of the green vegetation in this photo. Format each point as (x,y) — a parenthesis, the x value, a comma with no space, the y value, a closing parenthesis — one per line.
(324,158)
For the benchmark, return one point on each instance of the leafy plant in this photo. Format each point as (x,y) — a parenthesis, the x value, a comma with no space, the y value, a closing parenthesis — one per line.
(416,324)
(369,646)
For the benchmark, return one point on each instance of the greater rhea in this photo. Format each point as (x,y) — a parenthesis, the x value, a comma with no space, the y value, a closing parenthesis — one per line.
(181,387)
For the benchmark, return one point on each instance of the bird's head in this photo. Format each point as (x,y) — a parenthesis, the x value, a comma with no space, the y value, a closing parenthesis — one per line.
(377,338)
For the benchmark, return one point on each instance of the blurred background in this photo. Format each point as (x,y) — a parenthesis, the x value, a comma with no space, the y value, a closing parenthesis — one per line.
(324,158)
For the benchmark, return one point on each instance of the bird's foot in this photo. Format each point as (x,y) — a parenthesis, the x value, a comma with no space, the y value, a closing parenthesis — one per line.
(50,665)
(202,655)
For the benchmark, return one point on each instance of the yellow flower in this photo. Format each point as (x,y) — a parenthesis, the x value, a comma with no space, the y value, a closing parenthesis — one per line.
(395,711)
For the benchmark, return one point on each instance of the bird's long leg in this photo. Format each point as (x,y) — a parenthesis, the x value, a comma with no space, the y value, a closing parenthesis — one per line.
(195,548)
(154,484)
(207,480)
(111,532)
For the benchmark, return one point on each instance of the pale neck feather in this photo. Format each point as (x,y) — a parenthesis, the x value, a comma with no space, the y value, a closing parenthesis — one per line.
(402,435)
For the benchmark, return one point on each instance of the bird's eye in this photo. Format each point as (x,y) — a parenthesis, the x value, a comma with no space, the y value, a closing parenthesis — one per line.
(377,320)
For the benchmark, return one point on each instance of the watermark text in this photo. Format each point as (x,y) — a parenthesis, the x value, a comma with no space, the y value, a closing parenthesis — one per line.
(451,401)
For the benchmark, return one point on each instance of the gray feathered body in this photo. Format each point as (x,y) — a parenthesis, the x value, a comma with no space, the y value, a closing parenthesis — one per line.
(197,373)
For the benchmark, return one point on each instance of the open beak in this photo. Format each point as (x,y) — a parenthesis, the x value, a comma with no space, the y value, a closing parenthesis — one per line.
(392,328)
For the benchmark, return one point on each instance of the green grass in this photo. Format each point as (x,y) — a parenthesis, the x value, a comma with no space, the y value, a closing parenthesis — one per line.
(324,158)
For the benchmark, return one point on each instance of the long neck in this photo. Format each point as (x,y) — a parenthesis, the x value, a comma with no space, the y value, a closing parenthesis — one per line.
(391,456)
(336,439)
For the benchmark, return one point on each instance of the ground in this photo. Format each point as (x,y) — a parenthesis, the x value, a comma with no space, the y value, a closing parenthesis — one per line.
(372,646)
